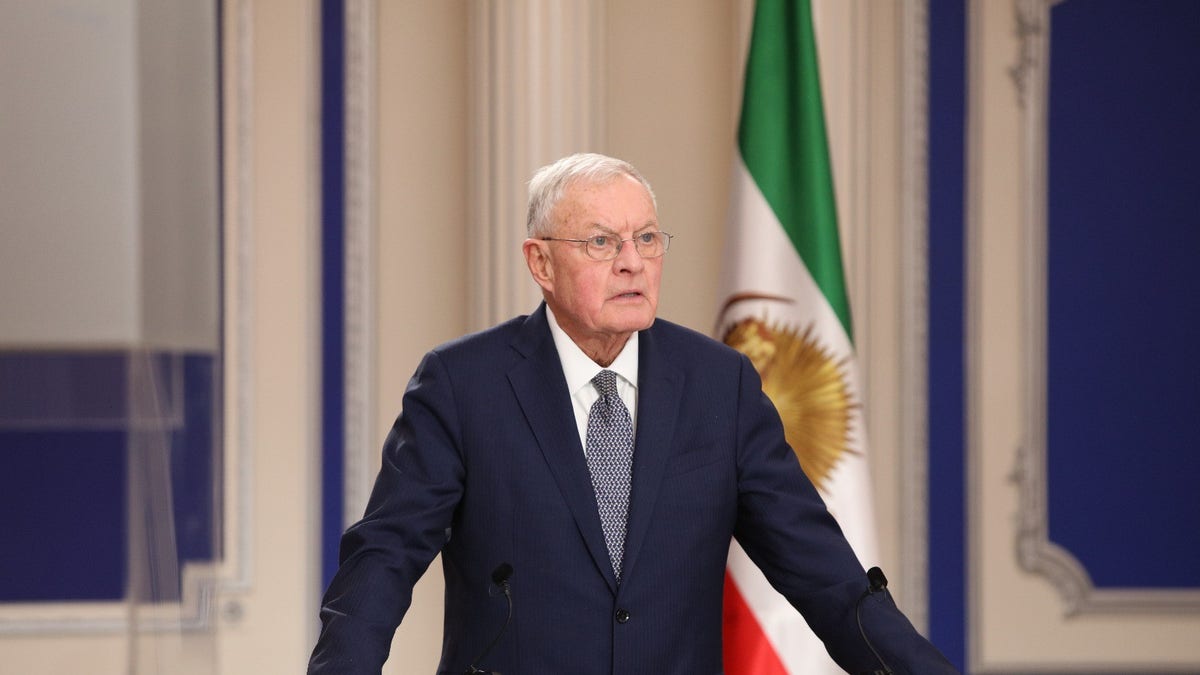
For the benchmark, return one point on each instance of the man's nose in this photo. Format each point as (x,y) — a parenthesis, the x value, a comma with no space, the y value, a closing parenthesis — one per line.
(628,258)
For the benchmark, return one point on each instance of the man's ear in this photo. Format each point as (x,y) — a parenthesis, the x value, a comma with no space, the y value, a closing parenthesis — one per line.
(537,257)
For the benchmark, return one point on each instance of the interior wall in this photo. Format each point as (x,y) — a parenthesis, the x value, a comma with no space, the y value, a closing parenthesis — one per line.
(672,73)
(266,621)
(422,243)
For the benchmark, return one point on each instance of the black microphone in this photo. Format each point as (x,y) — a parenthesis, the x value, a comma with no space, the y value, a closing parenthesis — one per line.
(876,582)
(500,577)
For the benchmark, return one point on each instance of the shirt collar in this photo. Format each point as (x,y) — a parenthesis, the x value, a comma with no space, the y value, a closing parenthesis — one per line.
(579,368)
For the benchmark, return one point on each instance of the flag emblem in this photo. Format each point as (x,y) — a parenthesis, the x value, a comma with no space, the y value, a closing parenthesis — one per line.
(806,382)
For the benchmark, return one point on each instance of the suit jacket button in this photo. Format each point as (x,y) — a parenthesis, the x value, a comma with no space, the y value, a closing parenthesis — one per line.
(622,616)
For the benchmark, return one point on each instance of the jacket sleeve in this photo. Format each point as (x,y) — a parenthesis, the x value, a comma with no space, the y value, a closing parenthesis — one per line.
(785,528)
(406,524)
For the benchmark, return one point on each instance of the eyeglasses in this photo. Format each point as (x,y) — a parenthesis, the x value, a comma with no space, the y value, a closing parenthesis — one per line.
(607,246)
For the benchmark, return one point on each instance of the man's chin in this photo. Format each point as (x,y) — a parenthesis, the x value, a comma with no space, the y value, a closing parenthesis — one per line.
(634,323)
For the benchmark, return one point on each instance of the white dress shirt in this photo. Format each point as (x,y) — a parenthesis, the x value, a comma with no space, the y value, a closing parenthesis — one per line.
(580,369)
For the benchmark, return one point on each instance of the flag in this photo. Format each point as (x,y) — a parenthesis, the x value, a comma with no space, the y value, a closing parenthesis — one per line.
(786,308)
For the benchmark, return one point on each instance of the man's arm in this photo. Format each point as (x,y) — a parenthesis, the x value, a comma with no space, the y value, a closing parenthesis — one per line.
(407,518)
(785,528)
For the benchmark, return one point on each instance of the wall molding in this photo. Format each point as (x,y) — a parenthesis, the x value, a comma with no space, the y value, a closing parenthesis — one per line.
(914,312)
(240,294)
(360,222)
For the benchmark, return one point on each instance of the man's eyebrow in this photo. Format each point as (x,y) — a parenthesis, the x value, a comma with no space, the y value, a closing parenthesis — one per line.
(608,230)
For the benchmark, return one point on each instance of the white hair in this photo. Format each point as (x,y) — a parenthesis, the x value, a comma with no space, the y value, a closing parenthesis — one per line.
(550,183)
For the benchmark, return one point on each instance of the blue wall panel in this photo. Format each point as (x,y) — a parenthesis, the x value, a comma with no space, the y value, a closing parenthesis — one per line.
(62,494)
(1124,289)
(64,471)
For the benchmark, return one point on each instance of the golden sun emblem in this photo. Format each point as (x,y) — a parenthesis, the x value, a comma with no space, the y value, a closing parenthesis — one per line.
(808,387)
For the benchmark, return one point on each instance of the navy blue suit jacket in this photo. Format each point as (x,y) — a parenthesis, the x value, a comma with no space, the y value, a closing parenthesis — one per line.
(485,466)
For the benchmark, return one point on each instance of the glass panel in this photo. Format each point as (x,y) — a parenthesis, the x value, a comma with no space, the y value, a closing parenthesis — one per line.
(110,349)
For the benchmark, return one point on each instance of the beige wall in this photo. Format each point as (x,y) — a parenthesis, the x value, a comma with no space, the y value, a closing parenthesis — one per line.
(273,347)
(670,112)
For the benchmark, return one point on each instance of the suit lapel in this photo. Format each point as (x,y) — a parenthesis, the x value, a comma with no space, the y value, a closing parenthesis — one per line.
(660,385)
(541,391)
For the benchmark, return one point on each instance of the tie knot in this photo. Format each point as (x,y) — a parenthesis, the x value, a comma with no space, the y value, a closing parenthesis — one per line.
(606,383)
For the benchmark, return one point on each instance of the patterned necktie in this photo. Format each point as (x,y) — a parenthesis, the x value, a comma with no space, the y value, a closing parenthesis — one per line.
(610,461)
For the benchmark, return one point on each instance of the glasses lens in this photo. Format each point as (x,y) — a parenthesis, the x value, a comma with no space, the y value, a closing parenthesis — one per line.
(602,247)
(649,244)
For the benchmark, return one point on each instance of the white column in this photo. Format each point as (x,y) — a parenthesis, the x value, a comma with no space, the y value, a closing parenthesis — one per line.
(361,241)
(537,86)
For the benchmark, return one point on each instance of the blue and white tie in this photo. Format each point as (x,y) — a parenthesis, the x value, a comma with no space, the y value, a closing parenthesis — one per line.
(610,461)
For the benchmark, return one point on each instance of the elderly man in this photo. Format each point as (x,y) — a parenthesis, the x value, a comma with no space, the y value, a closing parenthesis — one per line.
(603,459)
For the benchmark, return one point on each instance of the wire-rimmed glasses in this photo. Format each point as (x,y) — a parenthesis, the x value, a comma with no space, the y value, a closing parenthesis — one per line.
(608,246)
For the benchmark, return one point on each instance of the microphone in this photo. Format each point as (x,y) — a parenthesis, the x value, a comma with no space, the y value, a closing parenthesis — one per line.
(503,573)
(500,577)
(876,582)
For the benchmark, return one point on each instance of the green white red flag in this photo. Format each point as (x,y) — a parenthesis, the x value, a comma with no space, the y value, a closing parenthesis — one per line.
(786,307)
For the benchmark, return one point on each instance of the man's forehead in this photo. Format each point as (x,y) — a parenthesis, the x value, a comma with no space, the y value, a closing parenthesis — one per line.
(583,195)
